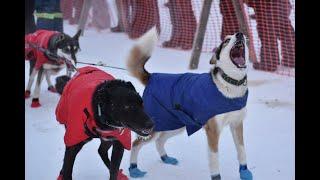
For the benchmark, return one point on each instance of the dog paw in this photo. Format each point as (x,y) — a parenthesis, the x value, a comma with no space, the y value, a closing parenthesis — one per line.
(245,173)
(27,94)
(216,177)
(60,177)
(169,160)
(121,176)
(35,103)
(135,172)
(52,89)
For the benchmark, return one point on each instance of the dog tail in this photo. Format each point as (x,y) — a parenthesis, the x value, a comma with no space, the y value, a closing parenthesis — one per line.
(140,53)
(61,82)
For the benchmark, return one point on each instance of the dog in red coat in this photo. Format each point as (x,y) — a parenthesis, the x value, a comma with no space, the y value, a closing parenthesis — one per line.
(94,104)
(43,49)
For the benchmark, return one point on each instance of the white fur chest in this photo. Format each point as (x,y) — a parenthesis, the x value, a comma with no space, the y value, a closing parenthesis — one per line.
(233,117)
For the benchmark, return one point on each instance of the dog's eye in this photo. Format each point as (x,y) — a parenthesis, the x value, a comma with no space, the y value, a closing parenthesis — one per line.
(226,41)
(66,50)
(126,107)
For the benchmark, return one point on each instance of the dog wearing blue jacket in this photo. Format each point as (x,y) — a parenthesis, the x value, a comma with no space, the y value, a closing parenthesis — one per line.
(190,101)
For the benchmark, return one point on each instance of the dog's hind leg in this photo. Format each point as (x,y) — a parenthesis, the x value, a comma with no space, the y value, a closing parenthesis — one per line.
(237,133)
(32,64)
(137,144)
(116,157)
(160,142)
(36,94)
(68,161)
(30,82)
(213,133)
(103,152)
(51,88)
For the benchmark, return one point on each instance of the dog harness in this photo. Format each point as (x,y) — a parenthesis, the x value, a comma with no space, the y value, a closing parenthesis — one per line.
(176,100)
(41,39)
(75,111)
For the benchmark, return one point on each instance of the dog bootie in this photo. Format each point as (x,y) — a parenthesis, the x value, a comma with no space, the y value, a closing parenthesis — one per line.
(216,177)
(27,94)
(60,177)
(245,173)
(121,176)
(52,89)
(169,160)
(135,172)
(35,103)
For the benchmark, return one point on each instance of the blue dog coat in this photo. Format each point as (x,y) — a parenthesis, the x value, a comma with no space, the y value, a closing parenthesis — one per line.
(177,100)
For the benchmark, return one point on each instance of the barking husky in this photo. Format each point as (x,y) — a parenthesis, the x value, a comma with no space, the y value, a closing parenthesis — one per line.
(211,100)
(47,63)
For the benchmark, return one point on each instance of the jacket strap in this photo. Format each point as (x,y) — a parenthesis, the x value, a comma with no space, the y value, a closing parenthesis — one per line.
(87,130)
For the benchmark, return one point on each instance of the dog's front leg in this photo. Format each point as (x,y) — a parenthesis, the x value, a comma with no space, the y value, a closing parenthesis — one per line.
(51,88)
(68,161)
(117,153)
(237,133)
(33,73)
(160,142)
(213,133)
(103,152)
(36,92)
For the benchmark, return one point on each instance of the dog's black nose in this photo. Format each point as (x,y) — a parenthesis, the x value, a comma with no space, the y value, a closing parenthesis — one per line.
(239,35)
(149,124)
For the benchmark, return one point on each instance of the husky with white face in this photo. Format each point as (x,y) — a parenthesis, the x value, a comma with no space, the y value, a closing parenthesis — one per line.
(229,74)
(58,45)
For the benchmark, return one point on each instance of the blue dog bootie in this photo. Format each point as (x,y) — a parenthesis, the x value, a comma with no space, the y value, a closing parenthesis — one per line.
(245,173)
(169,160)
(216,177)
(135,172)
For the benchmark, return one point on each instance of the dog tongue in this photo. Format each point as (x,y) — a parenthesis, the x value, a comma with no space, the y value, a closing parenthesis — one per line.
(239,60)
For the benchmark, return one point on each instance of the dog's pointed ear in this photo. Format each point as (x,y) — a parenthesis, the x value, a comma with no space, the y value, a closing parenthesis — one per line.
(102,93)
(77,35)
(213,60)
(130,85)
(218,51)
(61,37)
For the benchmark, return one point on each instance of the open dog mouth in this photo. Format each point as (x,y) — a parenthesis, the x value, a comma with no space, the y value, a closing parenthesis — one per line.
(141,132)
(237,54)
(144,132)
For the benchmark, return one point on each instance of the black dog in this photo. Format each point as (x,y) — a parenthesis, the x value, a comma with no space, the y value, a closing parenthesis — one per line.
(115,107)
(42,50)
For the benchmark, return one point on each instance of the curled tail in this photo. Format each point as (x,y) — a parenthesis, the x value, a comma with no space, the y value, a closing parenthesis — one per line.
(140,53)
(61,82)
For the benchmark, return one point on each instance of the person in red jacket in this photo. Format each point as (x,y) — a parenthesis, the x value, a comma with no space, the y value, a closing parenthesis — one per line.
(273,24)
(108,109)
(77,4)
(66,9)
(145,17)
(100,15)
(123,11)
(230,23)
(184,24)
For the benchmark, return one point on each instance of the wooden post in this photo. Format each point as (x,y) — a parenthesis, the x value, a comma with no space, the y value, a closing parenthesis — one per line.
(201,30)
(244,27)
(84,15)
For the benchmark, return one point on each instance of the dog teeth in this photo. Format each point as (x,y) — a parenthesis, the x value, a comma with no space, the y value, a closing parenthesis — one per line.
(144,137)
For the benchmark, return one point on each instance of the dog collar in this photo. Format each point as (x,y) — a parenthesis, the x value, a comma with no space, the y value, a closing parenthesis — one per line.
(93,131)
(229,79)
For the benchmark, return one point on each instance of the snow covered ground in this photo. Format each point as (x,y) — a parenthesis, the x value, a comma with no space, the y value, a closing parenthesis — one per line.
(269,128)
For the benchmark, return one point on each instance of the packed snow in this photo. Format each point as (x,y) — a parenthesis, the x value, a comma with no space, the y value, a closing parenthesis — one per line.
(269,128)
